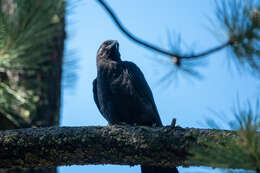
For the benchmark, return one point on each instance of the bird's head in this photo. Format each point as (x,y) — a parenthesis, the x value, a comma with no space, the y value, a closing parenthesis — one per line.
(109,50)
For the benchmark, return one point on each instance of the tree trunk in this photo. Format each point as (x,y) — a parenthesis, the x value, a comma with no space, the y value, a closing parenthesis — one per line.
(48,85)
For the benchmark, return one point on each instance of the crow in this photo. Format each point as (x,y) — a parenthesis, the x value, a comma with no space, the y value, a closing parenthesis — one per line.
(122,94)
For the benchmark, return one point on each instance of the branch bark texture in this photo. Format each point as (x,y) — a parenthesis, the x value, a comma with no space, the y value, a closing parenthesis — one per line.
(123,145)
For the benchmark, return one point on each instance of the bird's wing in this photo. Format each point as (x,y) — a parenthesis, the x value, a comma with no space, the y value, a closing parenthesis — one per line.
(95,93)
(141,86)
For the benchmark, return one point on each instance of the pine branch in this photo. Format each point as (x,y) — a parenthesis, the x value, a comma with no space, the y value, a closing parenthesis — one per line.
(123,145)
(240,23)
(145,44)
(31,53)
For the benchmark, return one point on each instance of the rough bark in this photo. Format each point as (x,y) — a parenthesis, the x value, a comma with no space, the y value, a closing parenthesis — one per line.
(123,145)
(48,85)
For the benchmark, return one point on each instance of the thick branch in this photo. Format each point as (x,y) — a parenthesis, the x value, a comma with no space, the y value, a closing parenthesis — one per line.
(124,145)
(132,37)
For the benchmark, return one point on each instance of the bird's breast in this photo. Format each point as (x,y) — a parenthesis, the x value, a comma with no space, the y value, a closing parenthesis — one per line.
(115,91)
(114,77)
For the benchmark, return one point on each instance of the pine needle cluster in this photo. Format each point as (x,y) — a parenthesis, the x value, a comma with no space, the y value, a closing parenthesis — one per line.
(240,21)
(27,27)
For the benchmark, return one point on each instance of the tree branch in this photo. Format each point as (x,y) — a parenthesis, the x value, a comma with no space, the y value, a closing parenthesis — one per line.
(124,145)
(137,40)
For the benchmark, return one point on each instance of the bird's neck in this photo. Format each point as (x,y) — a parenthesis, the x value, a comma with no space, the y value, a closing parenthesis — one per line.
(106,64)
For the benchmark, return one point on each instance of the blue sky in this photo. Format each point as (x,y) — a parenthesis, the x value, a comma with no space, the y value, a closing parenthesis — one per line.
(188,100)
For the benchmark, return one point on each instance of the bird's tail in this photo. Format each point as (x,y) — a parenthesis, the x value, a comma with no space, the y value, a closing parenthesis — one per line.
(154,169)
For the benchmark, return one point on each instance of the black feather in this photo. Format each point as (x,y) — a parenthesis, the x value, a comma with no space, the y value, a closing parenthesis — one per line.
(122,94)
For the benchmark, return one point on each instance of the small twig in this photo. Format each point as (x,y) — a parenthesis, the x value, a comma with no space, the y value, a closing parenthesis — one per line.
(152,47)
(5,49)
(207,52)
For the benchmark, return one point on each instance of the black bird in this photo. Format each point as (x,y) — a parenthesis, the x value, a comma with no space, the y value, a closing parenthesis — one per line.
(122,94)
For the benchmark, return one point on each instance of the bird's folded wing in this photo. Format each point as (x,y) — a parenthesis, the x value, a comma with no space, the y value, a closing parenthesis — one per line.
(95,93)
(141,86)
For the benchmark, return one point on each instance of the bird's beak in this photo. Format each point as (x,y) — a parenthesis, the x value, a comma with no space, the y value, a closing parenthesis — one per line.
(112,44)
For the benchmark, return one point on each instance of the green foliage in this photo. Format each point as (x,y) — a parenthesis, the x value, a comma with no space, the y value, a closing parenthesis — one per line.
(222,156)
(247,125)
(27,28)
(183,67)
(245,148)
(241,22)
(30,25)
